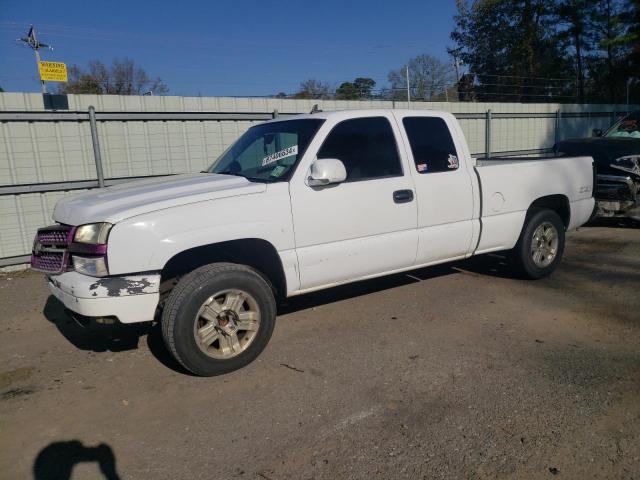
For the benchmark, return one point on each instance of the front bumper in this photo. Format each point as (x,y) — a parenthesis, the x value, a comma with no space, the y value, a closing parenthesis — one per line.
(130,299)
(616,194)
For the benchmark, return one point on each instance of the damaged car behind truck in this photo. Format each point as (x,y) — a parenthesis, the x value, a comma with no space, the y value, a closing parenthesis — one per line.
(295,205)
(616,154)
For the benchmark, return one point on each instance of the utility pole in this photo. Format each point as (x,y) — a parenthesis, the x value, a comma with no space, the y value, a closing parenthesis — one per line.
(408,89)
(32,42)
(456,63)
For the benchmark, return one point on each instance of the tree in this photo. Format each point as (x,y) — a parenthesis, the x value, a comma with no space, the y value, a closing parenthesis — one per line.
(511,47)
(576,17)
(532,50)
(606,64)
(123,77)
(314,89)
(632,37)
(359,89)
(428,77)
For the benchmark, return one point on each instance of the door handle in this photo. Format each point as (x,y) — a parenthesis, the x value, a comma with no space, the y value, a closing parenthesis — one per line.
(403,196)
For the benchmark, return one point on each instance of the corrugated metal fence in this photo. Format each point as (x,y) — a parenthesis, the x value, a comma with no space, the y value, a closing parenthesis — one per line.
(48,155)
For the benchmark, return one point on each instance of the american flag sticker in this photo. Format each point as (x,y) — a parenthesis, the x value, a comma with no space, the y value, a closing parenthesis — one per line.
(422,167)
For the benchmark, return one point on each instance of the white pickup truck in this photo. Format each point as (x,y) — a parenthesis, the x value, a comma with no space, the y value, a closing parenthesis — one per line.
(300,204)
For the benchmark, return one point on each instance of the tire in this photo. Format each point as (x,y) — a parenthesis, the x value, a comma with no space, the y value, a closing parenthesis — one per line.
(204,316)
(537,256)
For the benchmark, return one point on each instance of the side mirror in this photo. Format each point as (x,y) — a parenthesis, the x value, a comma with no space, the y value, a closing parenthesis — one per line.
(326,171)
(597,132)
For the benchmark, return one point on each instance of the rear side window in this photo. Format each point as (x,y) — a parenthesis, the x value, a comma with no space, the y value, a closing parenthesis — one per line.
(366,146)
(431,144)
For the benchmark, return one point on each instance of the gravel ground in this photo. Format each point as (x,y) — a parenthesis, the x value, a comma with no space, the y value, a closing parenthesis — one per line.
(457,371)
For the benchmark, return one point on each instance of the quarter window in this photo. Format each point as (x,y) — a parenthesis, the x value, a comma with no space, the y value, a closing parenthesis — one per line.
(431,144)
(366,146)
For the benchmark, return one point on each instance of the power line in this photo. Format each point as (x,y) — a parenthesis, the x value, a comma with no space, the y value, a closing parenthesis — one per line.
(525,78)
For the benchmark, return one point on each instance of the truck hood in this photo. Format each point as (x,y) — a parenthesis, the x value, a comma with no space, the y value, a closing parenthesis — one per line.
(126,200)
(604,150)
(601,148)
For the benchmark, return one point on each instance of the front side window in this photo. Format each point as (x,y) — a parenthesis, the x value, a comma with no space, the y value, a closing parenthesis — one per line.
(366,146)
(268,152)
(431,144)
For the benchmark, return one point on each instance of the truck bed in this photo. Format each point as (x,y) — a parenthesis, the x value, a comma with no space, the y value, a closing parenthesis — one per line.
(509,187)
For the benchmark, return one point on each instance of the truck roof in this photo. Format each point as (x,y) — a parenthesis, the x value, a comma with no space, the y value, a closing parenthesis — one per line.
(344,114)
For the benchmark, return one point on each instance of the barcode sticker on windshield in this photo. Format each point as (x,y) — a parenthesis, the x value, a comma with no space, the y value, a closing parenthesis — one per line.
(274,157)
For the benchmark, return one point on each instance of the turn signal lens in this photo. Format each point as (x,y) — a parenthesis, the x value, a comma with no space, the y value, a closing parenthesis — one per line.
(92,266)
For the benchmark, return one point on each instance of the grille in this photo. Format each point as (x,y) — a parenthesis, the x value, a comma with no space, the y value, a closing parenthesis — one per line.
(50,253)
(54,236)
(50,262)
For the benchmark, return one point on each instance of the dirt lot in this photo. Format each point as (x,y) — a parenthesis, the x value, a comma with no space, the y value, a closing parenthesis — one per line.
(450,372)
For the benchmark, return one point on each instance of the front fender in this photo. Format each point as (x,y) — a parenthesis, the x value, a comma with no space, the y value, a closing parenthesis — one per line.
(147,242)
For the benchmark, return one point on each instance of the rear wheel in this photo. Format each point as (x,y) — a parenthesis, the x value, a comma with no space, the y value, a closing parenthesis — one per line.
(541,244)
(218,318)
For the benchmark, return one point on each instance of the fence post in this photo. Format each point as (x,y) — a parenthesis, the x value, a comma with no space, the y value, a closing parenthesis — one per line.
(96,146)
(557,129)
(487,134)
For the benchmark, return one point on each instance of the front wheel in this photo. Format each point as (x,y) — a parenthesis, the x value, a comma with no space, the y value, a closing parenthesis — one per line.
(218,318)
(541,244)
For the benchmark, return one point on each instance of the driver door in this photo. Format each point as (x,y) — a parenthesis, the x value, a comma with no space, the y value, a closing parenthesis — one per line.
(364,226)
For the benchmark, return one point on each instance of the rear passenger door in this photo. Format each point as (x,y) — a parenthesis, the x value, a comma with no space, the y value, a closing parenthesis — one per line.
(361,227)
(444,188)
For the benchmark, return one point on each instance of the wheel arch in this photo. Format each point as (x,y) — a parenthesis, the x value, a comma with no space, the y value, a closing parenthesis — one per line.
(558,203)
(256,253)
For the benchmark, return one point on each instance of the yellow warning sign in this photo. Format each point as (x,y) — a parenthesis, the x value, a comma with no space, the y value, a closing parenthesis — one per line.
(53,71)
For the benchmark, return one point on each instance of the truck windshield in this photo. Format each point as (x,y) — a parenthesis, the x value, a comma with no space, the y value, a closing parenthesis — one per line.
(629,127)
(268,152)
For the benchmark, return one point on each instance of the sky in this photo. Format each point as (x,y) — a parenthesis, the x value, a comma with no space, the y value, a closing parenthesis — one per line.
(219,48)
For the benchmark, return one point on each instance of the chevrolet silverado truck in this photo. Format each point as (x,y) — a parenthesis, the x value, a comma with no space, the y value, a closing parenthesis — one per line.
(616,155)
(299,204)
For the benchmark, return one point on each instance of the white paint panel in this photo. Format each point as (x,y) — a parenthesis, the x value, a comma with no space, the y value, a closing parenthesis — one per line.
(581,211)
(264,214)
(500,232)
(360,220)
(348,260)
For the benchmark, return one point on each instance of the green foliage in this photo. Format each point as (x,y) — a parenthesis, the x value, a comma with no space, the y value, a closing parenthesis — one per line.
(555,50)
(632,38)
(123,77)
(359,89)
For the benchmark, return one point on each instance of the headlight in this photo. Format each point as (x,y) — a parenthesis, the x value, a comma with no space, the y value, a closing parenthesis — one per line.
(629,163)
(93,266)
(93,233)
